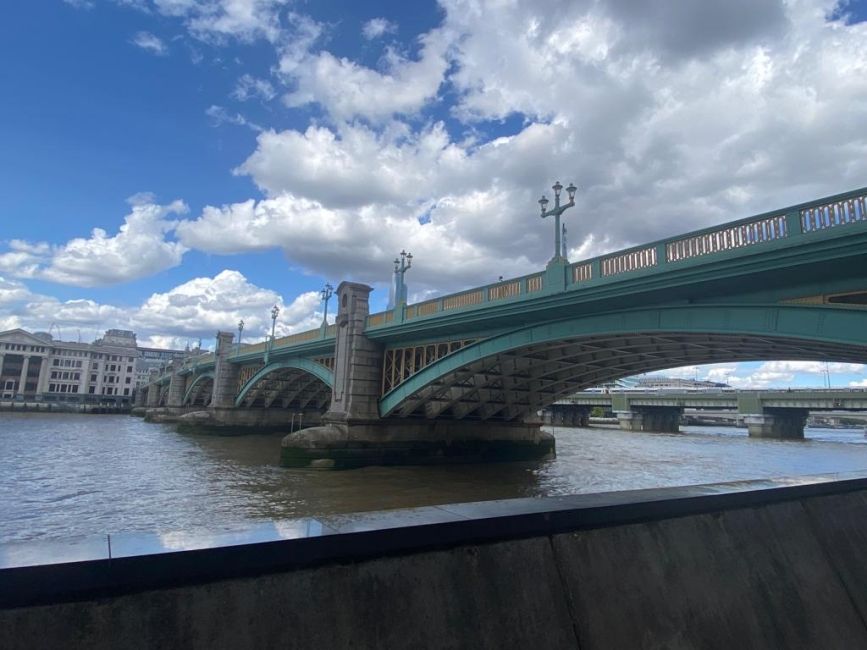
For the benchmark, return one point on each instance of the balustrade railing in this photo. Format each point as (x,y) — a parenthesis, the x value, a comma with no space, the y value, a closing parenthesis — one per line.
(819,215)
(535,283)
(738,236)
(582,272)
(380,318)
(833,214)
(629,261)
(300,337)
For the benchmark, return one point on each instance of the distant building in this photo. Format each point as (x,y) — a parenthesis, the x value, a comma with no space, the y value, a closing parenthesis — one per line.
(156,358)
(658,382)
(34,366)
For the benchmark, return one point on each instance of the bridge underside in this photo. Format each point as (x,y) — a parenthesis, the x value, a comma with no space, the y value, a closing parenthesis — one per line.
(288,388)
(515,384)
(200,393)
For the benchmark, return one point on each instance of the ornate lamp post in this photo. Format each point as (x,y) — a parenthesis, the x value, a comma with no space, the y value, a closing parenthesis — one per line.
(240,331)
(556,211)
(275,311)
(401,266)
(325,295)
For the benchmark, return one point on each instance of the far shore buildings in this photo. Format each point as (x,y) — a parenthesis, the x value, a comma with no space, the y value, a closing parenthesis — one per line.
(35,366)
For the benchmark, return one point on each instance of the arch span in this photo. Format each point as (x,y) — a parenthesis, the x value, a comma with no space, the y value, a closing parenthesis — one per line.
(294,382)
(198,392)
(510,376)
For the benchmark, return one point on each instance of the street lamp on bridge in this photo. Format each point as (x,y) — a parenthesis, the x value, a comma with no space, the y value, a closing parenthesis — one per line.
(275,311)
(401,266)
(325,295)
(556,211)
(240,331)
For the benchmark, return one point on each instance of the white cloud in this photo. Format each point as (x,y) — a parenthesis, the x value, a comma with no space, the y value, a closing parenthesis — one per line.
(220,116)
(151,43)
(249,87)
(346,89)
(812,367)
(208,304)
(192,310)
(861,383)
(215,20)
(661,135)
(139,249)
(377,27)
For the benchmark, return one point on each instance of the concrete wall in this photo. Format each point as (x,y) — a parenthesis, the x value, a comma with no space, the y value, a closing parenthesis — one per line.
(779,573)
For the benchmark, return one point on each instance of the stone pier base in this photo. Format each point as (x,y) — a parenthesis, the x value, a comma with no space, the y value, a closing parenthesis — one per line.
(658,419)
(245,421)
(785,424)
(411,442)
(567,415)
(166,414)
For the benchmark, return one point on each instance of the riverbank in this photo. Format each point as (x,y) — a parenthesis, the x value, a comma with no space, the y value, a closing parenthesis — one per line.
(773,563)
(21,406)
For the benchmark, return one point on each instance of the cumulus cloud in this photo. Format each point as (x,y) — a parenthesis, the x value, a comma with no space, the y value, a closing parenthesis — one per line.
(661,135)
(207,304)
(377,27)
(192,310)
(216,20)
(139,249)
(150,43)
(773,374)
(347,90)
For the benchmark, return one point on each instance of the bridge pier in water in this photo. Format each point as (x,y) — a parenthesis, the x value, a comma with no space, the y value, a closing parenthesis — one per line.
(787,424)
(353,434)
(657,419)
(568,415)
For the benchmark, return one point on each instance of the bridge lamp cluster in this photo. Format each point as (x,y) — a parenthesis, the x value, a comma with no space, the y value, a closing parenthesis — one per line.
(325,295)
(240,332)
(556,211)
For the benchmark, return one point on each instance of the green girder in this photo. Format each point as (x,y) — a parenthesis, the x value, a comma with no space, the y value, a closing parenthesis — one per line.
(811,323)
(199,378)
(316,369)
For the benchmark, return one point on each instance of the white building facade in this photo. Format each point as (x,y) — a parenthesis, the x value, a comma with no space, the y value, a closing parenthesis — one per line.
(34,366)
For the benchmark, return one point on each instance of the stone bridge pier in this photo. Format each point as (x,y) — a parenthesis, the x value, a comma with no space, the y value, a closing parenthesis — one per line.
(153,391)
(657,419)
(785,423)
(568,415)
(353,434)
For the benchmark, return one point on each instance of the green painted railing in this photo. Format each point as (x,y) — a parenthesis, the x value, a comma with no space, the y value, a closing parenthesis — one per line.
(795,221)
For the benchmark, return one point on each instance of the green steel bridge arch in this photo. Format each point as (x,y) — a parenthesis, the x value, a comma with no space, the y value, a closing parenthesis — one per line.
(514,374)
(305,367)
(198,380)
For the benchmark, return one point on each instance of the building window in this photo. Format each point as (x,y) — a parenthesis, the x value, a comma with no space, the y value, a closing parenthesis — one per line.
(126,391)
(91,390)
(128,380)
(93,378)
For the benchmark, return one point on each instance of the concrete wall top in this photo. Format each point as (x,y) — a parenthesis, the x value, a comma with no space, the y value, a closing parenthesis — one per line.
(69,570)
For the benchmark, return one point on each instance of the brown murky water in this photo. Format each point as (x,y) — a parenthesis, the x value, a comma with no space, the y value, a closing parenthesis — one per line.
(63,475)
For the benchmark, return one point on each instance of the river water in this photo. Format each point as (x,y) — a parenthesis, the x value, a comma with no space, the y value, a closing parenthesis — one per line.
(72,475)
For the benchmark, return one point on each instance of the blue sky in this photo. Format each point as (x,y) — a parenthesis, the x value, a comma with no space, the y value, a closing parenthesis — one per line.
(237,154)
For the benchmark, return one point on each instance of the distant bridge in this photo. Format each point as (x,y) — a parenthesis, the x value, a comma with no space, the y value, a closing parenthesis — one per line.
(476,366)
(766,413)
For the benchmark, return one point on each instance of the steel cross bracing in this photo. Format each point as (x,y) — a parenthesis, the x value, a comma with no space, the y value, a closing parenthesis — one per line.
(292,387)
(516,384)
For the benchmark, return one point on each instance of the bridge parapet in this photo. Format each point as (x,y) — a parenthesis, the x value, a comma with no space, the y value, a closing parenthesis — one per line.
(784,227)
